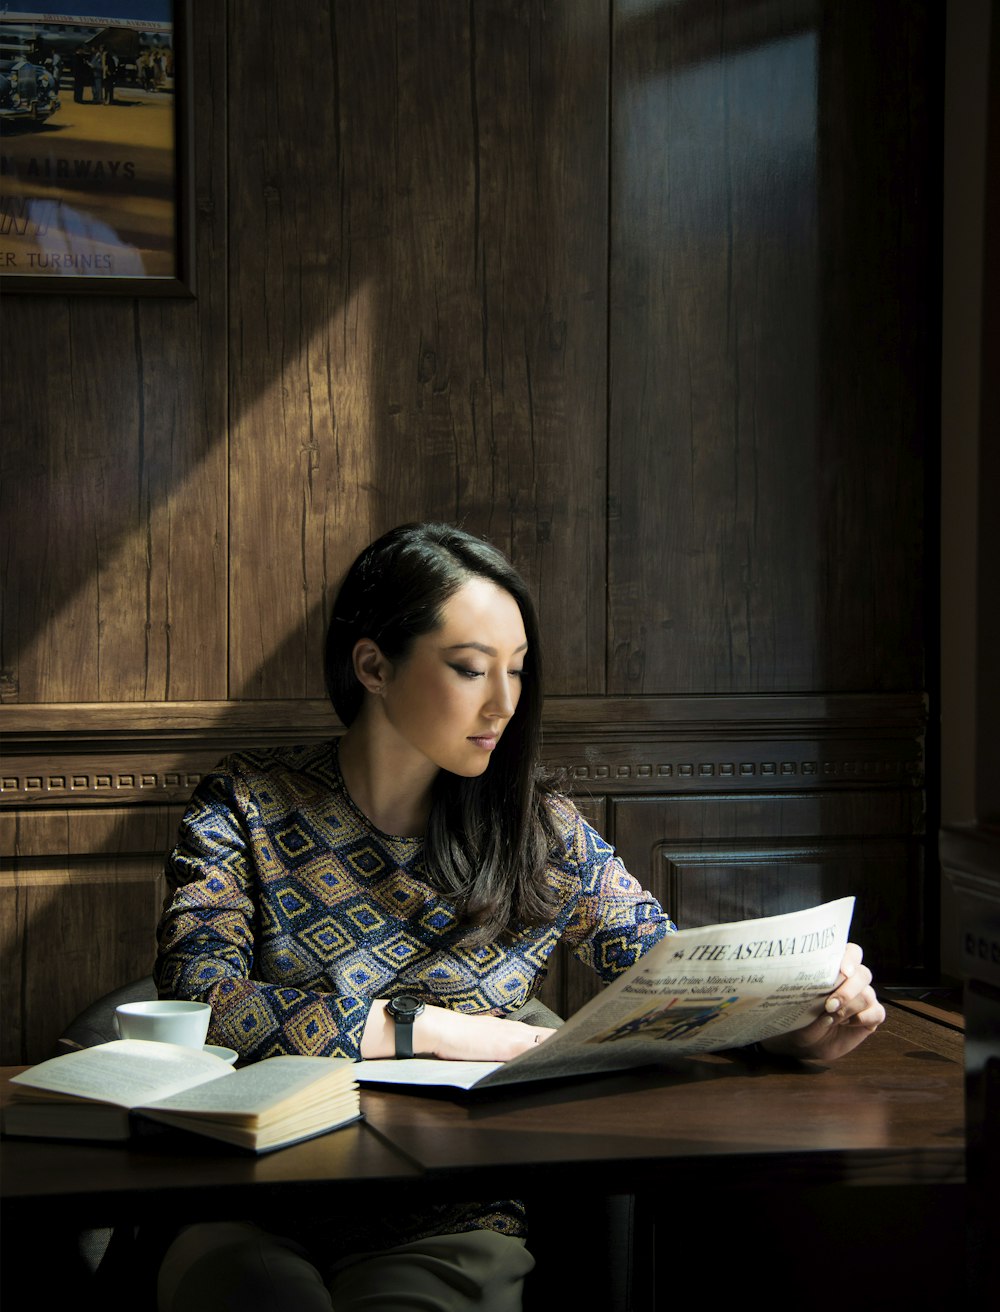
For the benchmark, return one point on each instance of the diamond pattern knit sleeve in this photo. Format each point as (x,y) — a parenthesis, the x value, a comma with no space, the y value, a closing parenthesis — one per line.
(209,929)
(614,919)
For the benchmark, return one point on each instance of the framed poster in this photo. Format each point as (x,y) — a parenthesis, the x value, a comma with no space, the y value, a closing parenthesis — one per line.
(95,149)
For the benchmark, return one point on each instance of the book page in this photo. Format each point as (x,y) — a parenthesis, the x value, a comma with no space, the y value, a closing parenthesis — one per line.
(425,1070)
(125,1072)
(263,1088)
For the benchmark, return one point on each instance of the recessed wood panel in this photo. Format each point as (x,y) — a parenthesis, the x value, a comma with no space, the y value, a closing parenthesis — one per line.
(115,832)
(717,859)
(419,309)
(71,931)
(769,877)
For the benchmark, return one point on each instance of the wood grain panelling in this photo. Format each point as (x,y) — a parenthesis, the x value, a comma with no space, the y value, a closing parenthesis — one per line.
(878,348)
(80,894)
(70,931)
(715,859)
(114,458)
(418,292)
(767,423)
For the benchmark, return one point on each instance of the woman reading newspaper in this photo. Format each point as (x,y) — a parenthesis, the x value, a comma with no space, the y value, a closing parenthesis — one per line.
(400,892)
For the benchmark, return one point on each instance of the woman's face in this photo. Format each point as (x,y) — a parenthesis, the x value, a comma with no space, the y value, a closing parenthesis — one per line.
(454,694)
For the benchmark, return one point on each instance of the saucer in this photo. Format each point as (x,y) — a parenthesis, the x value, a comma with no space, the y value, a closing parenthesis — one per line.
(224,1054)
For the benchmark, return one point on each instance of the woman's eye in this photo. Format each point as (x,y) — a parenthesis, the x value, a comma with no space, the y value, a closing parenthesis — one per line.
(467,672)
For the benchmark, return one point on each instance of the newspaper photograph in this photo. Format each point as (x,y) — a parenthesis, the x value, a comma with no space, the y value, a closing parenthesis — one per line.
(698,990)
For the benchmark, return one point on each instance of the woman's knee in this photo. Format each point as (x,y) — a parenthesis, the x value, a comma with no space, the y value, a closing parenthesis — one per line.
(477,1269)
(235,1267)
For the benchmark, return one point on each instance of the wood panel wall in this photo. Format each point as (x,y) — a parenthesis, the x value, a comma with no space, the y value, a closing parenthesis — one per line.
(644,293)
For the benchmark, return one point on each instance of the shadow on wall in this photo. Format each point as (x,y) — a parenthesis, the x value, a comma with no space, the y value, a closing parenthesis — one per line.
(410,329)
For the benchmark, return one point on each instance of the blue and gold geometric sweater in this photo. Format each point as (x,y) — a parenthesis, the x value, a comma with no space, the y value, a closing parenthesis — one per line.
(290,913)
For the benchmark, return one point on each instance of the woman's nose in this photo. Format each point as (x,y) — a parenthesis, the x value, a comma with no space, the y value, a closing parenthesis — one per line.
(502,699)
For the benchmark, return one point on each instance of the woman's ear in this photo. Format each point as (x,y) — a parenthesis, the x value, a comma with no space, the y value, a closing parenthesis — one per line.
(372,669)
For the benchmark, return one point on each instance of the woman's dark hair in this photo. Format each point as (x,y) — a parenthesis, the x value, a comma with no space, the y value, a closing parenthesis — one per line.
(488,837)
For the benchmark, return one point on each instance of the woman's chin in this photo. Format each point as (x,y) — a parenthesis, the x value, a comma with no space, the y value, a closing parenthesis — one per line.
(470,769)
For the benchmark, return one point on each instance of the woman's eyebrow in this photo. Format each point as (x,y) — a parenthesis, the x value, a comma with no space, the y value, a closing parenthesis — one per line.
(481,646)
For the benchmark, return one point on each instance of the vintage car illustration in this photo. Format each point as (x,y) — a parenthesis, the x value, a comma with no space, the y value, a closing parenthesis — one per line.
(27,91)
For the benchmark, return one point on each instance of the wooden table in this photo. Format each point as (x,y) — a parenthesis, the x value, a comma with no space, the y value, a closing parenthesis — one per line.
(844,1183)
(890,1113)
(714,1141)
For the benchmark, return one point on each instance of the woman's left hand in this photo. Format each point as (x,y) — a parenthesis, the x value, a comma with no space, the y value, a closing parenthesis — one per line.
(851,1013)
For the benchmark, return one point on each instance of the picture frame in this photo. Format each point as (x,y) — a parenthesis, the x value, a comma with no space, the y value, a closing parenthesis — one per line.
(96,190)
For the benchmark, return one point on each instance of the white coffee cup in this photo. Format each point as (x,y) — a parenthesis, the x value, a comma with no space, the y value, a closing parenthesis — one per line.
(185,1023)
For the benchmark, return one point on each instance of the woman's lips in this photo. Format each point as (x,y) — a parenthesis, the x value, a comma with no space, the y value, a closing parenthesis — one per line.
(486,742)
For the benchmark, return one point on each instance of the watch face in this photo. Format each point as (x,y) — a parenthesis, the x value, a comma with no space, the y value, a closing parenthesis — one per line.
(406,1006)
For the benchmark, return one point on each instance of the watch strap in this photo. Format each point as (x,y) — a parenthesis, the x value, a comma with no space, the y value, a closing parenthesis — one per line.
(404,1011)
(404,1036)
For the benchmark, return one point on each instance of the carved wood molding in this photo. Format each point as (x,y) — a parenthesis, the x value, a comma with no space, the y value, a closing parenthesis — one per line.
(71,755)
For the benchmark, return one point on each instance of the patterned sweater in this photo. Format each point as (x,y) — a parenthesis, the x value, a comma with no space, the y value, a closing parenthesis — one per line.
(290,913)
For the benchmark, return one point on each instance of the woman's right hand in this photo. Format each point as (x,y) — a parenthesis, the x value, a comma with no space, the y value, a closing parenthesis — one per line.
(452,1035)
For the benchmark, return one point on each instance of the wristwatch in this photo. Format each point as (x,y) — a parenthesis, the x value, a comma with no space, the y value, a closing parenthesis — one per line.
(404,1010)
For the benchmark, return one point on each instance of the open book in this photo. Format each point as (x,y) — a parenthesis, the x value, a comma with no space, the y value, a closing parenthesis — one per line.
(94,1093)
(700,990)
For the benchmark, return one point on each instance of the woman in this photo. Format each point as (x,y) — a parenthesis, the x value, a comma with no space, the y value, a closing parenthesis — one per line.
(423,857)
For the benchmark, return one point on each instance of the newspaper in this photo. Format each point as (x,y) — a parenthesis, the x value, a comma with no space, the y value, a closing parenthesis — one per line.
(699,990)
